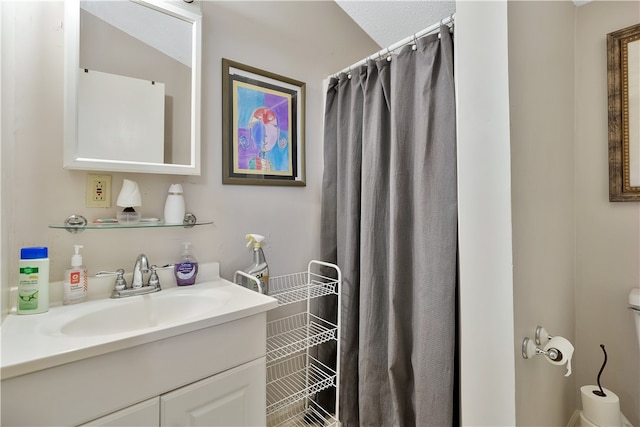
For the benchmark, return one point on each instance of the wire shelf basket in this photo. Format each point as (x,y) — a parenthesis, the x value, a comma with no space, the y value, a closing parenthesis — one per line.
(295,379)
(303,416)
(298,287)
(292,334)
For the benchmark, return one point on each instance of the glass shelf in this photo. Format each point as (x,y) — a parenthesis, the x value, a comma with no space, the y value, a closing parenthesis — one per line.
(76,224)
(116,226)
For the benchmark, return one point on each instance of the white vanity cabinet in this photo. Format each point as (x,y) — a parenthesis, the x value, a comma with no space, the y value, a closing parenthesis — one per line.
(144,414)
(206,371)
(181,370)
(232,398)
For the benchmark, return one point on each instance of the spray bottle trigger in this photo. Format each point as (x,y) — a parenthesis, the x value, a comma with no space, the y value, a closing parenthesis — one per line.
(256,239)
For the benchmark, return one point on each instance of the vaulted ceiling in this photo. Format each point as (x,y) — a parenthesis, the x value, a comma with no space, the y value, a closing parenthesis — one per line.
(387,22)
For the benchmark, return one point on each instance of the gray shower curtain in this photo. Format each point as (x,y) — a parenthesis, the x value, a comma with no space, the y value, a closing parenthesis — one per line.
(389,220)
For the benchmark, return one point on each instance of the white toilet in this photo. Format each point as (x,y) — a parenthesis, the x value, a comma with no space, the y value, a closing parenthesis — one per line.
(634,305)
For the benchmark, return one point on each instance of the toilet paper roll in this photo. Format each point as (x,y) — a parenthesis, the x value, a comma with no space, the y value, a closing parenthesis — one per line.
(565,348)
(601,411)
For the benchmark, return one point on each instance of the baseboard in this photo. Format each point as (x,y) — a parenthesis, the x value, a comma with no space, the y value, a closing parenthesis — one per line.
(574,421)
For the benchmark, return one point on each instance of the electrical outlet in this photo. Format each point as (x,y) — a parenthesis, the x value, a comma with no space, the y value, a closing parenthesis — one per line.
(98,191)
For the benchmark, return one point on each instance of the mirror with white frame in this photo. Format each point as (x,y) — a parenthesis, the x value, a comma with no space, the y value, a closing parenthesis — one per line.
(132,86)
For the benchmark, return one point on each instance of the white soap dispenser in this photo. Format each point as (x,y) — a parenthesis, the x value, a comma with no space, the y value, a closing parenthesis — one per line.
(174,209)
(76,281)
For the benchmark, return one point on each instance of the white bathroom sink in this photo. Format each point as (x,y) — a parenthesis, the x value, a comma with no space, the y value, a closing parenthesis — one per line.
(143,312)
(69,333)
(137,314)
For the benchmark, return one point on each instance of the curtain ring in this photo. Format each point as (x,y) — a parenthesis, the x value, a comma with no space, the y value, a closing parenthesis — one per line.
(415,43)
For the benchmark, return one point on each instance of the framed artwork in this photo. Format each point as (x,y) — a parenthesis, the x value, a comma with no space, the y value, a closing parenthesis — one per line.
(623,87)
(263,127)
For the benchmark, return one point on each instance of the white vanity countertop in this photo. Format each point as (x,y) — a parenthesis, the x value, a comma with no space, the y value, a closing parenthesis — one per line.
(35,342)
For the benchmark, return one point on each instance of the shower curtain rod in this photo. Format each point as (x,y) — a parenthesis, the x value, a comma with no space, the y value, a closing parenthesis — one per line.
(386,51)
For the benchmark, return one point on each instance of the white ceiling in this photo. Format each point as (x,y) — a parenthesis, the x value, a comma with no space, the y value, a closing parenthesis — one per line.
(390,21)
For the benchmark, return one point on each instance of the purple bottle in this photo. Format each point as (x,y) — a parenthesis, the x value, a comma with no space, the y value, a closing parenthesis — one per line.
(187,269)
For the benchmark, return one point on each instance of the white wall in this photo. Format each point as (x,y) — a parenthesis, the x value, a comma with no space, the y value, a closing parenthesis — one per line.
(5,96)
(307,41)
(541,77)
(607,234)
(484,204)
(575,255)
(303,40)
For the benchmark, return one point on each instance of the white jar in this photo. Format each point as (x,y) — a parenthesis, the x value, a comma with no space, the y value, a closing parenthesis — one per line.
(33,281)
(174,209)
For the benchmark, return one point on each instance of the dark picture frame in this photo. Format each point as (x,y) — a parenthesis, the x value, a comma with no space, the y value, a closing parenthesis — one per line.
(263,127)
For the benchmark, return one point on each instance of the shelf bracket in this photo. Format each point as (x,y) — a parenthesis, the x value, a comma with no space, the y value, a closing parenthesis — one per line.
(75,224)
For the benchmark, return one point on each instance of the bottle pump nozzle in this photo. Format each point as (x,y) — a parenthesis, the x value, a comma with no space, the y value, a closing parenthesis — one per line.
(256,239)
(76,259)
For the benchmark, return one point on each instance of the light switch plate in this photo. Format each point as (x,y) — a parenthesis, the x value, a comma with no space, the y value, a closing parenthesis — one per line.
(98,191)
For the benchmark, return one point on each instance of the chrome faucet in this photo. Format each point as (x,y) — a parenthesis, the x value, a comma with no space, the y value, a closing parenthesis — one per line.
(139,268)
(121,290)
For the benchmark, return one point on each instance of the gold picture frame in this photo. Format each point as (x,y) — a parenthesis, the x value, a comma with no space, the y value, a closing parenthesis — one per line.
(623,81)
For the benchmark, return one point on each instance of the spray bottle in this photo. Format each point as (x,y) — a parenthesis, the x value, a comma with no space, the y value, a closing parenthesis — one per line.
(259,269)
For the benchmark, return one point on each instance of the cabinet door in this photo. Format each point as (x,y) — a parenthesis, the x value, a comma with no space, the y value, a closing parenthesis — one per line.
(236,397)
(146,413)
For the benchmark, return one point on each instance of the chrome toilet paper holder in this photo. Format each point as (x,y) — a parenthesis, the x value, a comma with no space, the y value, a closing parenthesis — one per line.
(530,349)
(542,337)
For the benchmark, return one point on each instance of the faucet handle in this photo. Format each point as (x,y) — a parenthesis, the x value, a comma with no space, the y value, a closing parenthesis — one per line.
(153,278)
(121,283)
